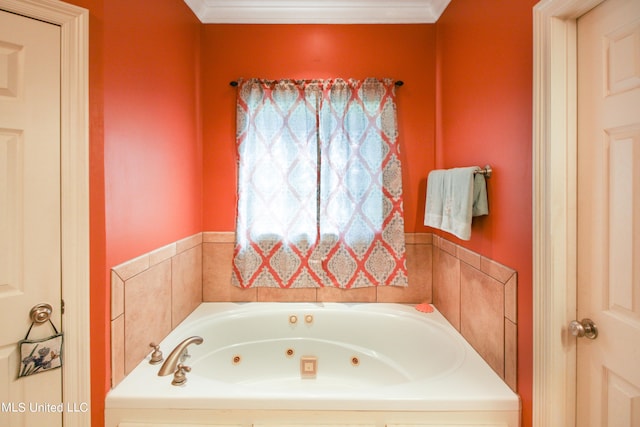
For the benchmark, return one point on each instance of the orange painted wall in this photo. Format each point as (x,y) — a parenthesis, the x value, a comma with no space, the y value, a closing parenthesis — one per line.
(484,115)
(153,184)
(404,52)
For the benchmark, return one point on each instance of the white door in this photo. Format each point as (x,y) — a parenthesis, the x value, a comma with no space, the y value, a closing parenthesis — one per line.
(30,259)
(608,374)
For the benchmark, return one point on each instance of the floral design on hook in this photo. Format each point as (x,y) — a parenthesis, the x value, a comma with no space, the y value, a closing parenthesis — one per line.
(40,356)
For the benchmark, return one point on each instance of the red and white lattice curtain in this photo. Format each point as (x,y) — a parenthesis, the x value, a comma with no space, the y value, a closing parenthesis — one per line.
(319,185)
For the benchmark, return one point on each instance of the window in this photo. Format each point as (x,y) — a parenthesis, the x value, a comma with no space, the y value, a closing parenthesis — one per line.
(319,185)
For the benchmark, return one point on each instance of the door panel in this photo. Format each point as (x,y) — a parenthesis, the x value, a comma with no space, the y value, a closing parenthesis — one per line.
(608,389)
(30,253)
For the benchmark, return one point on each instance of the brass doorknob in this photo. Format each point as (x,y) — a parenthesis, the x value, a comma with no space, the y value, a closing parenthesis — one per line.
(585,328)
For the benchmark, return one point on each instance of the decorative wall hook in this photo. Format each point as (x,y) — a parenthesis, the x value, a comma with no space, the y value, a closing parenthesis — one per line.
(40,355)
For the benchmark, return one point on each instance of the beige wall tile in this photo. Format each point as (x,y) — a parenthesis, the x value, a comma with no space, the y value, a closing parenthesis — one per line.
(186,283)
(511,299)
(147,314)
(286,295)
(330,294)
(218,257)
(216,270)
(482,315)
(162,254)
(237,294)
(487,303)
(218,237)
(419,270)
(470,257)
(496,270)
(117,295)
(128,269)
(449,247)
(412,294)
(446,285)
(188,243)
(423,238)
(510,354)
(418,238)
(117,351)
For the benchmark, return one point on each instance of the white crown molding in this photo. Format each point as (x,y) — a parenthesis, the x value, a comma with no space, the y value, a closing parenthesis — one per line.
(317,11)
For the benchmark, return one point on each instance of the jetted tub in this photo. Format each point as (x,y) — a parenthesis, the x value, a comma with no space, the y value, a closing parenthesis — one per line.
(305,364)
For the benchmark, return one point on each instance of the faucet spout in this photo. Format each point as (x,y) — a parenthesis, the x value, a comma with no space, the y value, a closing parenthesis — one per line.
(171,363)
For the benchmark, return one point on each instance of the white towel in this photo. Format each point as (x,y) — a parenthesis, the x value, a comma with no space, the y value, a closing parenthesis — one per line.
(453,198)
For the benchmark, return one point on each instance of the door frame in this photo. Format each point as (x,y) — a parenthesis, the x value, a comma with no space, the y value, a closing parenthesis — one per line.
(74,140)
(555,208)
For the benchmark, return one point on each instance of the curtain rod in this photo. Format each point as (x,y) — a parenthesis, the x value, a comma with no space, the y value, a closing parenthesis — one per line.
(235,83)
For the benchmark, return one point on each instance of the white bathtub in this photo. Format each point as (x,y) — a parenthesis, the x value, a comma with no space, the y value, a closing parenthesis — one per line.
(376,365)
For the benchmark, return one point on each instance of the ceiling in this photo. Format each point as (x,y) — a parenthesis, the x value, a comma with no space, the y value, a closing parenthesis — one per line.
(317,11)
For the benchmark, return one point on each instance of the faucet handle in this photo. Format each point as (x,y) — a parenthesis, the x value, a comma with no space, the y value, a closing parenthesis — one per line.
(180,376)
(184,356)
(156,356)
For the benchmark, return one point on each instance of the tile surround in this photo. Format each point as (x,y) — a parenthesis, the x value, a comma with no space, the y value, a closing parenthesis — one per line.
(218,256)
(482,315)
(476,294)
(146,319)
(173,276)
(479,298)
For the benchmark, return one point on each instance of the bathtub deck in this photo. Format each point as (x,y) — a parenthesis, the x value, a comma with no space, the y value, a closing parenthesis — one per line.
(471,394)
(254,418)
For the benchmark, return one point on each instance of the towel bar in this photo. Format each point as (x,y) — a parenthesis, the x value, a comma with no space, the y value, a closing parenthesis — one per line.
(486,171)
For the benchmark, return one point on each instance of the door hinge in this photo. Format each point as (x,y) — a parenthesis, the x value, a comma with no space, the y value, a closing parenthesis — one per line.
(61,306)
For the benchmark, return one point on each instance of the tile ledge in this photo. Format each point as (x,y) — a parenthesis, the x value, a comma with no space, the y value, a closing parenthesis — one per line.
(132,267)
(188,242)
(498,271)
(488,266)
(218,237)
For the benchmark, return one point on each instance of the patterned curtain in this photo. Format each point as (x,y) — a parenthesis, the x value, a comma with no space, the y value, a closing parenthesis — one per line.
(319,185)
